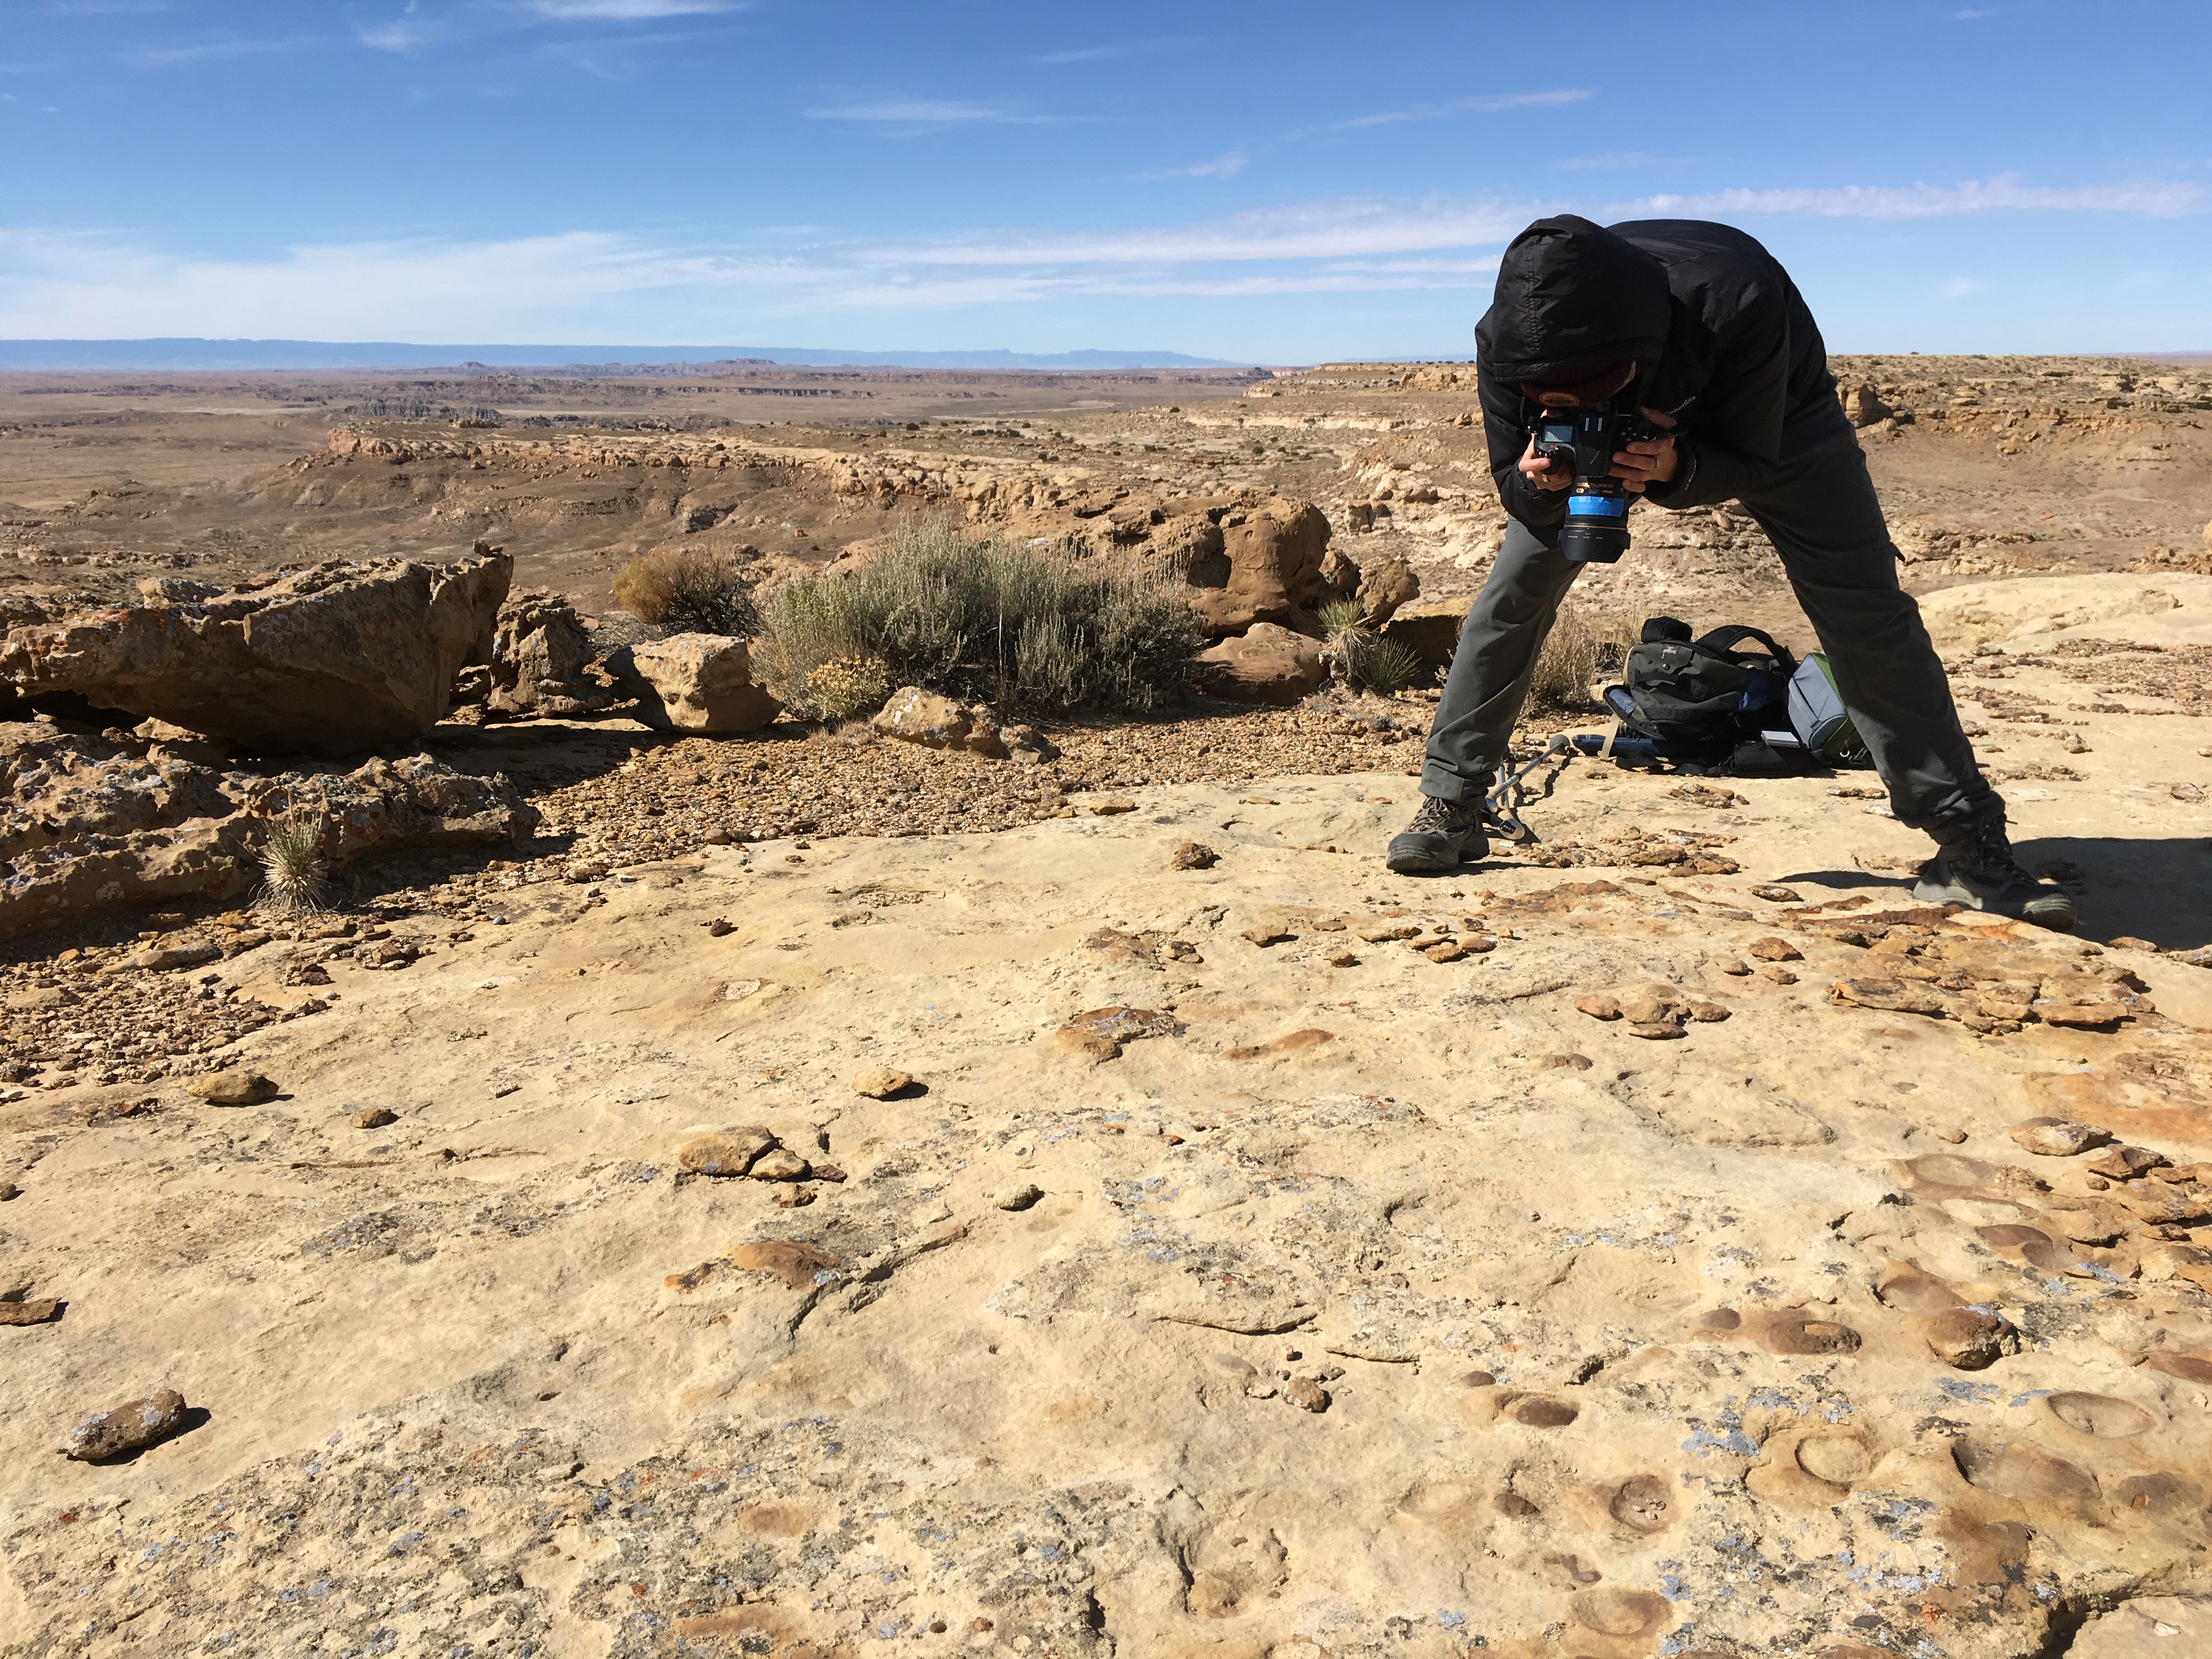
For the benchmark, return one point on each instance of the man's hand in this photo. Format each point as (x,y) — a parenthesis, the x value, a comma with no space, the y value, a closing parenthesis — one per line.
(1651,461)
(1545,475)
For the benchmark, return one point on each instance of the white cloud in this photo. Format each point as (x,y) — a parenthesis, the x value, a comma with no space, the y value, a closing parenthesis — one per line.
(1227,164)
(1342,228)
(919,112)
(1130,49)
(626,11)
(209,51)
(1489,105)
(401,36)
(2154,198)
(1616,158)
(583,284)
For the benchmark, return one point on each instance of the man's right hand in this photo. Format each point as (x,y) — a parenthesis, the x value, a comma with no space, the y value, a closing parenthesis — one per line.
(1545,475)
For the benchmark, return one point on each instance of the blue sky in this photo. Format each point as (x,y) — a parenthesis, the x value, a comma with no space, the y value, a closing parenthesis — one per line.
(1272,183)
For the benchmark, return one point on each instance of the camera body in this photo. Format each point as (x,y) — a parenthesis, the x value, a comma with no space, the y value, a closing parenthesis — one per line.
(1586,439)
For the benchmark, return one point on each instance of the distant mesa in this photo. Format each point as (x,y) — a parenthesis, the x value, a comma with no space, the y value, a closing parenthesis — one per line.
(180,354)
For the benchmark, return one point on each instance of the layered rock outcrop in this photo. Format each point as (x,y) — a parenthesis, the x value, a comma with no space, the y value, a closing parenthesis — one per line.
(334,659)
(90,825)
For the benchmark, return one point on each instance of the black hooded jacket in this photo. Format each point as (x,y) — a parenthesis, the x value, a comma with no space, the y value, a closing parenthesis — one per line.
(1725,343)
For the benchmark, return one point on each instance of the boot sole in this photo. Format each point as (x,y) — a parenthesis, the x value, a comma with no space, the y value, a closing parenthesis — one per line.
(1429,855)
(2057,905)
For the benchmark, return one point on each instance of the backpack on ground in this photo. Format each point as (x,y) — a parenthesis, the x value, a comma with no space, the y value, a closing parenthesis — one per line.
(1818,718)
(1699,699)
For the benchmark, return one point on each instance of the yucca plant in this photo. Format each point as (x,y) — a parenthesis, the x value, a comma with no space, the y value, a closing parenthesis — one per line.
(296,874)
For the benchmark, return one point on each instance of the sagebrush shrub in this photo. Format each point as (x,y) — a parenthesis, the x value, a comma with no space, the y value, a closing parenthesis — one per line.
(986,618)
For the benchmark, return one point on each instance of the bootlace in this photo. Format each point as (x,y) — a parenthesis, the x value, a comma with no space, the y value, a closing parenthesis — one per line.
(1989,852)
(1439,816)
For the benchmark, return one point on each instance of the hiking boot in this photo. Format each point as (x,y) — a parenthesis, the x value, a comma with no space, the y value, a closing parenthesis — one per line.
(1443,833)
(1976,868)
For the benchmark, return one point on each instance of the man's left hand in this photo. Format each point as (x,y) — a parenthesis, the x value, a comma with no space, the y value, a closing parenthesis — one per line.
(1649,461)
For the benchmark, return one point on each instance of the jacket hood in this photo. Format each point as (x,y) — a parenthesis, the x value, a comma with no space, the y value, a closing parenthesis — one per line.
(1572,298)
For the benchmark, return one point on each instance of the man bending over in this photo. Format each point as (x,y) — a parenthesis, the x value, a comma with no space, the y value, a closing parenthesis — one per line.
(1698,326)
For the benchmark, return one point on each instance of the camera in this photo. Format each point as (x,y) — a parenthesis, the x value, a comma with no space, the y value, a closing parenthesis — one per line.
(1596,530)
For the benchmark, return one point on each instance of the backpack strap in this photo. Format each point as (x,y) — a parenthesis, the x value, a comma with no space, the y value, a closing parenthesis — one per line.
(1725,638)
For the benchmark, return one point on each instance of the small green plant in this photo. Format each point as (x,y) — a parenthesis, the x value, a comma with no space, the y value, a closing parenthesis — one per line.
(689,590)
(295,876)
(1386,667)
(1340,617)
(1365,661)
(845,687)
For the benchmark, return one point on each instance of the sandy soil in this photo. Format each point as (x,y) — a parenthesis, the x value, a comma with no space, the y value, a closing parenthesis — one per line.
(1233,1278)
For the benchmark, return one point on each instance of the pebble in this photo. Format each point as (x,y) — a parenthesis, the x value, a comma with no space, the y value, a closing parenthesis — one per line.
(780,1165)
(732,1152)
(794,1197)
(1953,1135)
(1774,894)
(1107,809)
(1734,966)
(1773,950)
(1779,973)
(233,1088)
(1344,959)
(136,1423)
(1306,1394)
(28,1312)
(1563,1063)
(1969,1341)
(1597,1006)
(1084,1043)
(9,1191)
(1018,1198)
(718,927)
(1654,1030)
(373,1117)
(882,1082)
(1264,933)
(2056,1137)
(1708,1013)
(1193,855)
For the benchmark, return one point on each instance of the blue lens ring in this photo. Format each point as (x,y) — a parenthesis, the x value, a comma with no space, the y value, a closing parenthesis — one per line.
(1597,507)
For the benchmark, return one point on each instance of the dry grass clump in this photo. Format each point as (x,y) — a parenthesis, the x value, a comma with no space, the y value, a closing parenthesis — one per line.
(295,876)
(1582,645)
(995,619)
(689,590)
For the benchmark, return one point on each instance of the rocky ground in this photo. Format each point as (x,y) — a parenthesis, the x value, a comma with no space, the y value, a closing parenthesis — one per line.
(804,1190)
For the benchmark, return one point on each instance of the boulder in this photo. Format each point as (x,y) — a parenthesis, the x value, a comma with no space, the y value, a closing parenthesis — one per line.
(90,825)
(538,650)
(694,683)
(330,661)
(1385,588)
(1266,664)
(1864,407)
(1430,629)
(914,715)
(1274,553)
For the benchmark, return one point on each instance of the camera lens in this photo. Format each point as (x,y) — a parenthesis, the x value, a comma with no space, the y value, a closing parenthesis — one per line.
(1596,531)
